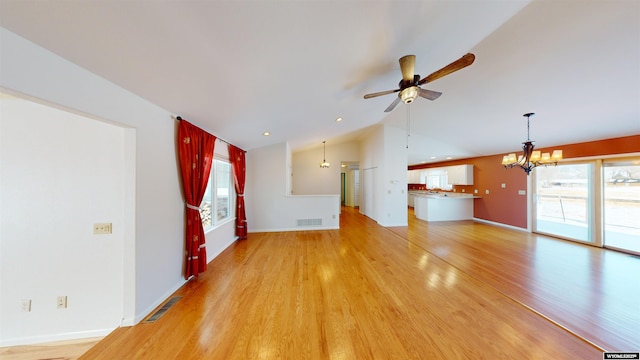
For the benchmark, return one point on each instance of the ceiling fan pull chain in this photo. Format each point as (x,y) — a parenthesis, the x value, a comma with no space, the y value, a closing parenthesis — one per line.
(408,124)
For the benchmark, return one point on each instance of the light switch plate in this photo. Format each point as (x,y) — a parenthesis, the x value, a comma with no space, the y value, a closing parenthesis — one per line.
(101,228)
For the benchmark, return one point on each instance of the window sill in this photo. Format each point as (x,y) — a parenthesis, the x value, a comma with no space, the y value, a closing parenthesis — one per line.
(218,225)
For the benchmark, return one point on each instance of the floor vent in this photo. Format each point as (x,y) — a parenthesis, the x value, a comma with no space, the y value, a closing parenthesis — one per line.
(309,222)
(163,309)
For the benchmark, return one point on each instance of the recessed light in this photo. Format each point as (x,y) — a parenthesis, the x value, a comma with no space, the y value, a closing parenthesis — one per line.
(266,133)
(449,158)
(339,119)
(433,157)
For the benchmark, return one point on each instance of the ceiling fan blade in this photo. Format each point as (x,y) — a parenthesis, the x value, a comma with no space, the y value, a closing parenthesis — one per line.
(461,63)
(369,96)
(429,94)
(407,66)
(393,105)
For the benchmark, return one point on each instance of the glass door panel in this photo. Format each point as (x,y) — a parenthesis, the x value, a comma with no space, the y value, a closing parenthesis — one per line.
(621,182)
(563,201)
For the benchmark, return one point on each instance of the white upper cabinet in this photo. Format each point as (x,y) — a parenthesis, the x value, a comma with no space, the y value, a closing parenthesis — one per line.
(413,176)
(460,174)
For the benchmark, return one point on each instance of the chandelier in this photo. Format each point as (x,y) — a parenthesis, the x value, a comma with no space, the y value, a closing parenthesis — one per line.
(324,163)
(530,158)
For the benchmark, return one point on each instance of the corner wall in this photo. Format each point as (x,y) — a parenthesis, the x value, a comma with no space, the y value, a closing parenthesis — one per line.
(383,171)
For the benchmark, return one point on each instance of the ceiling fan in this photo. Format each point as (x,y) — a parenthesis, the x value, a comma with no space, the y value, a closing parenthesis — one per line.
(409,86)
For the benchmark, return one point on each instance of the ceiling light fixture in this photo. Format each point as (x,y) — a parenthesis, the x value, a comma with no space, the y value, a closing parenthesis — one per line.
(409,94)
(266,133)
(324,164)
(531,159)
(339,119)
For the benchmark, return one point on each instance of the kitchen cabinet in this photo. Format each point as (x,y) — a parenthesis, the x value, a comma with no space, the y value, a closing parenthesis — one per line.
(414,177)
(443,207)
(460,174)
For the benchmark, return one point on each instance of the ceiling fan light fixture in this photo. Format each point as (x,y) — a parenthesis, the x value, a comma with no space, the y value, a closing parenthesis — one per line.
(409,94)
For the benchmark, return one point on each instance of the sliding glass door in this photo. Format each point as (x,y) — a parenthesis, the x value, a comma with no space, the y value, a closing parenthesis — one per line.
(621,213)
(563,201)
(595,201)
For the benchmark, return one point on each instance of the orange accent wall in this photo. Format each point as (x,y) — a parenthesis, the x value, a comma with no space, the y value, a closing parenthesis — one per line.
(504,205)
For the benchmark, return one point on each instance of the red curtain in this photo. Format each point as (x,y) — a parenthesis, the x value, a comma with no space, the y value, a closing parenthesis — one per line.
(195,150)
(238,162)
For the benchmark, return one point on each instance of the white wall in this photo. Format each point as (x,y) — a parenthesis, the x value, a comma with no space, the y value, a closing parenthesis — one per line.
(154,209)
(371,163)
(383,169)
(394,178)
(310,179)
(270,208)
(61,173)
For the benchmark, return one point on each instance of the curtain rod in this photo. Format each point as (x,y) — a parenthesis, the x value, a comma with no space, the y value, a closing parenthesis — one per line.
(179,118)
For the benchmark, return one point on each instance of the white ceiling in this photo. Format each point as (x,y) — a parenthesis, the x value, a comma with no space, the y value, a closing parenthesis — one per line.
(239,68)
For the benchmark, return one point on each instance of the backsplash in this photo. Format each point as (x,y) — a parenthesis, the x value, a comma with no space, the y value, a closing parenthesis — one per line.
(417,186)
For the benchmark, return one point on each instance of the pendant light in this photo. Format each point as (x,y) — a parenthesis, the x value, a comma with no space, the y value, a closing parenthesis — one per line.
(324,164)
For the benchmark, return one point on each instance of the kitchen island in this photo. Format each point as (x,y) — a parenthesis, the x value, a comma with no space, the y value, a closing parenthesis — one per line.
(443,207)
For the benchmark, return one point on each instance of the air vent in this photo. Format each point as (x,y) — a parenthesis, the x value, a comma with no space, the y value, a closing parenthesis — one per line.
(309,222)
(163,309)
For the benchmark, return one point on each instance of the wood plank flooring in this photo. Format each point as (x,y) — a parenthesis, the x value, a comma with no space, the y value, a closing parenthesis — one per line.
(58,350)
(457,290)
(592,292)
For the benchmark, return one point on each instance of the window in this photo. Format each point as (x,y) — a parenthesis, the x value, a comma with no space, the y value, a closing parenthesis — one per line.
(436,178)
(217,204)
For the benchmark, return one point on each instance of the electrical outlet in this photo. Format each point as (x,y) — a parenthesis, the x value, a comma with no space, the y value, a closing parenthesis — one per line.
(504,186)
(25,305)
(101,228)
(486,192)
(62,302)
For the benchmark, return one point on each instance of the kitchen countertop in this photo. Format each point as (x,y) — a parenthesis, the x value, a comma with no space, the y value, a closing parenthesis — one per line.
(443,195)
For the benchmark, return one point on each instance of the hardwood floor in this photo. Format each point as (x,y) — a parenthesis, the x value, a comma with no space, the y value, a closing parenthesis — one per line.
(59,350)
(592,292)
(456,290)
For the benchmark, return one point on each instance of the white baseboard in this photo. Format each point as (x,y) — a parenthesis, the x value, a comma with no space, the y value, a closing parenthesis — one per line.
(500,224)
(40,339)
(141,316)
(306,228)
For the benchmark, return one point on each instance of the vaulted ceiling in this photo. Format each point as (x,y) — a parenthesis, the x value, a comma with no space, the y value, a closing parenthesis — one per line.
(239,68)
